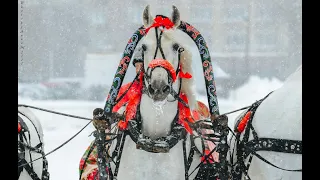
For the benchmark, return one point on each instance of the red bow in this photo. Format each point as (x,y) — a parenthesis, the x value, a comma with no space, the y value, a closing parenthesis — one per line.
(184,75)
(160,21)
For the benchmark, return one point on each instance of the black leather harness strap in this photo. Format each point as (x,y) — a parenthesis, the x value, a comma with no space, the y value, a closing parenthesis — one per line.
(23,144)
(246,148)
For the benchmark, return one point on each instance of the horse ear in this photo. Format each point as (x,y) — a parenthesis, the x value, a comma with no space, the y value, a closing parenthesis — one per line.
(147,18)
(175,16)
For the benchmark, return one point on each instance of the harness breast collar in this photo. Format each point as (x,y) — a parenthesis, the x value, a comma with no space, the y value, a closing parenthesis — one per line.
(23,144)
(247,148)
(161,145)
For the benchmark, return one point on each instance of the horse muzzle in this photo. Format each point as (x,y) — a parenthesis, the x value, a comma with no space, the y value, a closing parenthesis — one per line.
(159,90)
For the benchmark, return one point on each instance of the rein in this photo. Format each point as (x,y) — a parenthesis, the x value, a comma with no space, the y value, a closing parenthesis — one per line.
(58,113)
(120,138)
(250,147)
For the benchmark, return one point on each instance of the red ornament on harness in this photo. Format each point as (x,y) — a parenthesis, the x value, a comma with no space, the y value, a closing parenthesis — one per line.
(132,99)
(185,116)
(160,21)
(19,128)
(184,75)
(242,124)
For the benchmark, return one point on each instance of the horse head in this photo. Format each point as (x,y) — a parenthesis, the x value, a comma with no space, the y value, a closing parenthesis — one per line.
(164,56)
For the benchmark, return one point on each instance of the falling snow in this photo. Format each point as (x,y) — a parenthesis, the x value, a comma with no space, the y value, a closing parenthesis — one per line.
(69,52)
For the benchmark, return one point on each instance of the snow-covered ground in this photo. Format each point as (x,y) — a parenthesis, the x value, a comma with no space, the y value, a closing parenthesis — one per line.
(64,163)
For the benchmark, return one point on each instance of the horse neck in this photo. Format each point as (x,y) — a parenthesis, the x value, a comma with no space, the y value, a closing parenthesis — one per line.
(157,123)
(280,115)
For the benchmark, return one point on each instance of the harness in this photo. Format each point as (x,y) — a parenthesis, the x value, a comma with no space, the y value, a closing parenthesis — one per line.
(245,148)
(160,145)
(178,133)
(23,144)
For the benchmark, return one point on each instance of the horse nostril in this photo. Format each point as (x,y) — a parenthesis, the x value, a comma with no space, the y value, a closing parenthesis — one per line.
(151,90)
(166,89)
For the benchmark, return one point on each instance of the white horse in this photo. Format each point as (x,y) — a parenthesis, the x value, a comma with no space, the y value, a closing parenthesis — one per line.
(279,116)
(139,164)
(144,156)
(30,147)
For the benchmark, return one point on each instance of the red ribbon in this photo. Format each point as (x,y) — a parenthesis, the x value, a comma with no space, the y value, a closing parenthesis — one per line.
(160,21)
(184,75)
(244,122)
(185,116)
(132,98)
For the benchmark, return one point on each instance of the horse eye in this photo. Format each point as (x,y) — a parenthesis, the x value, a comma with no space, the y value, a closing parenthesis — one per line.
(175,46)
(144,47)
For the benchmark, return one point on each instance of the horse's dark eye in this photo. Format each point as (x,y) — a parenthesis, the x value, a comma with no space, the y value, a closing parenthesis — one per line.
(144,47)
(175,46)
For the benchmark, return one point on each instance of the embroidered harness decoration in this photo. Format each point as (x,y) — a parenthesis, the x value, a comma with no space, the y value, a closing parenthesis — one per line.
(23,145)
(245,147)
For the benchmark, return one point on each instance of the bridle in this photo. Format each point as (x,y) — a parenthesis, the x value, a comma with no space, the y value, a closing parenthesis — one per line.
(248,148)
(148,72)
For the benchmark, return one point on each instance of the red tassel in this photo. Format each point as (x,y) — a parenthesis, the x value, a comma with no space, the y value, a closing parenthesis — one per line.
(244,122)
(124,100)
(185,75)
(133,98)
(19,127)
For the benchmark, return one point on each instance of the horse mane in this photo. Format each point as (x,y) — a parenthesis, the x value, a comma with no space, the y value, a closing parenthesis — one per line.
(187,85)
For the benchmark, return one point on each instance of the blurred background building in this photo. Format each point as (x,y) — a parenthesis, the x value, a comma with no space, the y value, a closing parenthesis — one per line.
(60,40)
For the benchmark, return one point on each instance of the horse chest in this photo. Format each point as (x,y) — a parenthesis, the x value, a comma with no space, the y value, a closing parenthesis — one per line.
(156,122)
(138,164)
